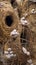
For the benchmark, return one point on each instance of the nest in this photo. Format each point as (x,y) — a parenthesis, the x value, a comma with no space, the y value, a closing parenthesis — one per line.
(8,20)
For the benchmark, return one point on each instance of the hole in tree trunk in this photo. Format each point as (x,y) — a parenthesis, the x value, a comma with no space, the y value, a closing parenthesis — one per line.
(9,20)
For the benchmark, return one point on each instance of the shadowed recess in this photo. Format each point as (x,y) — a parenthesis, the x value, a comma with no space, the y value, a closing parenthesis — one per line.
(9,20)
(12,2)
(1,63)
(23,36)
